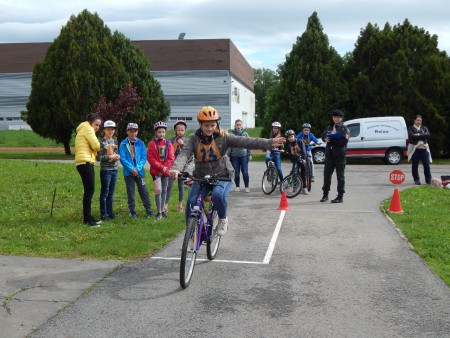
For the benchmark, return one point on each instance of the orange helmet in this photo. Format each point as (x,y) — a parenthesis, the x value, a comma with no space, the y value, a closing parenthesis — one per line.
(207,113)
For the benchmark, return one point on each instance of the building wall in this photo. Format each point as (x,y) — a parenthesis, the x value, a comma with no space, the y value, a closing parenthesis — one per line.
(14,91)
(192,74)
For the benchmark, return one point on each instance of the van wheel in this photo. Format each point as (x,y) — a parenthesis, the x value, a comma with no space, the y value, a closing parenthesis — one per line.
(318,155)
(393,156)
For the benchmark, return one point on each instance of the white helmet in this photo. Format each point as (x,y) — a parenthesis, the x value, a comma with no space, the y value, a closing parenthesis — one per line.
(109,124)
(276,124)
(160,124)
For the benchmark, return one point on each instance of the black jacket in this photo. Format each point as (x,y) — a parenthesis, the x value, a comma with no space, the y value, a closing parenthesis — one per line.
(337,145)
(423,132)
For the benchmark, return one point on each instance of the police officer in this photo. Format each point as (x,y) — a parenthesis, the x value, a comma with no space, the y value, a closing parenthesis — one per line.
(336,135)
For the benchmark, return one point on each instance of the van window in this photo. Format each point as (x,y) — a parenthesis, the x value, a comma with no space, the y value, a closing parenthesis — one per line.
(354,129)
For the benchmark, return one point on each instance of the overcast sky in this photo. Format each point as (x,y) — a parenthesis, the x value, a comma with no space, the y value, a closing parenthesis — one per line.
(264,31)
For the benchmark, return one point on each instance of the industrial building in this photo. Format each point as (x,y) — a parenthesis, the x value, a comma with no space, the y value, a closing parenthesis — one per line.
(192,73)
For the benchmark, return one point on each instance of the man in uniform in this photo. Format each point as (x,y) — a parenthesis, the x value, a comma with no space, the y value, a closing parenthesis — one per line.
(336,135)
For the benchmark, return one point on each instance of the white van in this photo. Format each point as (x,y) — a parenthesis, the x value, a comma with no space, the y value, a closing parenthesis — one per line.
(383,137)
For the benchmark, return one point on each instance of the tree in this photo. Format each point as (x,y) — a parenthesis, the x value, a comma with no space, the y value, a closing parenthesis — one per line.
(265,80)
(311,82)
(400,71)
(123,107)
(84,63)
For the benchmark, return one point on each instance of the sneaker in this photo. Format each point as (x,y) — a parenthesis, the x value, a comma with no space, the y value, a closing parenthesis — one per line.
(112,216)
(164,214)
(96,221)
(305,191)
(132,215)
(222,226)
(105,218)
(92,223)
(312,178)
(158,216)
(150,213)
(237,189)
(247,189)
(417,183)
(324,198)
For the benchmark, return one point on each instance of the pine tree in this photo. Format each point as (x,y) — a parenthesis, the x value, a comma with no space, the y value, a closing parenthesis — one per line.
(311,82)
(80,67)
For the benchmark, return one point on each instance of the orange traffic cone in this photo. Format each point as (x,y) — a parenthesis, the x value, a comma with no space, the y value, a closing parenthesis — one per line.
(396,205)
(283,203)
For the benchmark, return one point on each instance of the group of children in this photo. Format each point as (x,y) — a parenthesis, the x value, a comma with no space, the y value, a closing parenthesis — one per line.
(298,148)
(133,155)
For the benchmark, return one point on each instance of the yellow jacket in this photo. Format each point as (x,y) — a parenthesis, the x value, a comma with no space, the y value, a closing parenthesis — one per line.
(86,144)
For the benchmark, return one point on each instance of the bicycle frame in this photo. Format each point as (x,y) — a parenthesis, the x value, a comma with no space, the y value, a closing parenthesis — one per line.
(199,211)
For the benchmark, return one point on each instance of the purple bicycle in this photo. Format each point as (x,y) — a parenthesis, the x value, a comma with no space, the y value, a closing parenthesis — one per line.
(201,228)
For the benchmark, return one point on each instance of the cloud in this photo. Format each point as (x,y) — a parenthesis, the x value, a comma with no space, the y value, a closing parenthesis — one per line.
(264,31)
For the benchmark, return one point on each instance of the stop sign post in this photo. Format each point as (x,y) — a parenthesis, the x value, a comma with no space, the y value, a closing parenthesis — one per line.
(397,177)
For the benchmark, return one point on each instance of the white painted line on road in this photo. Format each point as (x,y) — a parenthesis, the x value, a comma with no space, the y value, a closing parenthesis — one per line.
(271,247)
(205,260)
(267,257)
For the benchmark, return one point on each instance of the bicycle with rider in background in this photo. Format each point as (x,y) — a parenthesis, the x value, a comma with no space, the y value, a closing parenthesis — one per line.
(296,151)
(309,140)
(274,153)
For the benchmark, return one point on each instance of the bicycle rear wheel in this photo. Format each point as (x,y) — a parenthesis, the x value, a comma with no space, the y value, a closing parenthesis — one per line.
(308,175)
(292,185)
(188,252)
(269,180)
(213,242)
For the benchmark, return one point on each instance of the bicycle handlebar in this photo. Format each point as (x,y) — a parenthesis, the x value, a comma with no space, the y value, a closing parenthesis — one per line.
(208,179)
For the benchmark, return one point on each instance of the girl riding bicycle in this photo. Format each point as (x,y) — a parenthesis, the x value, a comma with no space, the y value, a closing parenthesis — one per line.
(297,154)
(209,145)
(274,152)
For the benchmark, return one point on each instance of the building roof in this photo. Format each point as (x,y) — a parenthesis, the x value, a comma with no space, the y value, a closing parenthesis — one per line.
(164,55)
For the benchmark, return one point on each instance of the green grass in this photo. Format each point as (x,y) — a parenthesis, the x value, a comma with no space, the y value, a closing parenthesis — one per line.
(31,228)
(425,223)
(27,138)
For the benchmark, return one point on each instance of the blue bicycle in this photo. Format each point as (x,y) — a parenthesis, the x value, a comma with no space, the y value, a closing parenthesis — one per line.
(201,228)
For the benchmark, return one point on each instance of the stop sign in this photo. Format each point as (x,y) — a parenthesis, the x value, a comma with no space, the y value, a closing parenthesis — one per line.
(397,177)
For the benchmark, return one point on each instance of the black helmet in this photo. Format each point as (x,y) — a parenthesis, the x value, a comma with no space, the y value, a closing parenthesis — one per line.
(289,133)
(337,112)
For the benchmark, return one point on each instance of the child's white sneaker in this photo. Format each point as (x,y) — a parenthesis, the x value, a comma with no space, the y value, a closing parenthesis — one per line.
(222,226)
(305,191)
(237,189)
(247,189)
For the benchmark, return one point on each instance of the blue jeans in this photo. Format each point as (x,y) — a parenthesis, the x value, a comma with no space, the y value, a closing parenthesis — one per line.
(240,164)
(277,160)
(424,156)
(108,179)
(130,181)
(219,197)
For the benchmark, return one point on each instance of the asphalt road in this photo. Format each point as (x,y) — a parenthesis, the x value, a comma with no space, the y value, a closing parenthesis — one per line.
(337,270)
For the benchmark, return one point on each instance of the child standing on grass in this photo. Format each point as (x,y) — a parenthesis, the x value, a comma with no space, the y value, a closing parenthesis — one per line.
(178,142)
(133,158)
(160,156)
(109,157)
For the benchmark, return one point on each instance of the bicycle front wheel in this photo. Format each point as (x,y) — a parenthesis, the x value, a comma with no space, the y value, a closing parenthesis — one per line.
(292,185)
(189,252)
(213,242)
(269,181)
